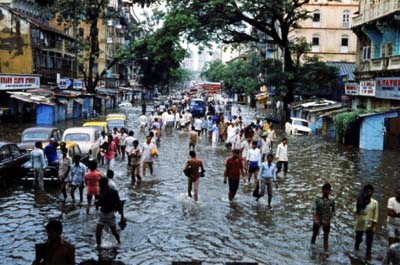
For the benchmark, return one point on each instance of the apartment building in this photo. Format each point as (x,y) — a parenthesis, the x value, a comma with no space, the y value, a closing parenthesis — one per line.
(377,89)
(328,30)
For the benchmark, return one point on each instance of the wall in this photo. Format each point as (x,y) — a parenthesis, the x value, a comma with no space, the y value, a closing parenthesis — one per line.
(15,48)
(372,131)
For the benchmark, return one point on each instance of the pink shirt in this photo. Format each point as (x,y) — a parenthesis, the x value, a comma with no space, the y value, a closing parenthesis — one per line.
(92,182)
(110,153)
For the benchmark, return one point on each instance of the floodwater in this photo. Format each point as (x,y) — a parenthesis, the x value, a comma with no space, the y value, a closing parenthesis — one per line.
(164,225)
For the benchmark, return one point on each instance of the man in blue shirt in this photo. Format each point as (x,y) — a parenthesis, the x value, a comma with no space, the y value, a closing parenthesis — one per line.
(266,176)
(51,152)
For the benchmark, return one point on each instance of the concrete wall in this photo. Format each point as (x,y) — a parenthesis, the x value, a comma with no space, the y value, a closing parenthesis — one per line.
(372,131)
(15,47)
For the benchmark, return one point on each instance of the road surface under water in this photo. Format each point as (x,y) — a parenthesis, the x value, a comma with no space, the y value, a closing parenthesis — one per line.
(164,225)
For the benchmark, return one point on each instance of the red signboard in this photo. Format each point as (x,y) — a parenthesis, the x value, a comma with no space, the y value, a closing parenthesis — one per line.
(352,89)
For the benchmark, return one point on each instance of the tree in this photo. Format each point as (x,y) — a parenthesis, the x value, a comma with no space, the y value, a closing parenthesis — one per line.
(238,76)
(92,12)
(163,53)
(228,21)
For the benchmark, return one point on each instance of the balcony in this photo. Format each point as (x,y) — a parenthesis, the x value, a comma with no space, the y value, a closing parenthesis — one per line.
(394,63)
(379,64)
(374,11)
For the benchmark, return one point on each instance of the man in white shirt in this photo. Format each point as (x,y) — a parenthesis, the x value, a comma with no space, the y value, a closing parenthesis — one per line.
(282,157)
(147,156)
(128,142)
(244,149)
(253,160)
(197,125)
(143,121)
(265,146)
(393,219)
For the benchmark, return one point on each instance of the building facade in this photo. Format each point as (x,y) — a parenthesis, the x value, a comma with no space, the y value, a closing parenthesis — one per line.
(377,86)
(328,30)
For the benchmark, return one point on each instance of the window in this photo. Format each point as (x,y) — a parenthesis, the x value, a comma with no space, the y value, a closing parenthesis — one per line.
(346,19)
(316,16)
(366,53)
(315,43)
(344,45)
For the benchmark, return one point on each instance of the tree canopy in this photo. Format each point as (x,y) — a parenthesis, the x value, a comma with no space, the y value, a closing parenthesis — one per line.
(242,21)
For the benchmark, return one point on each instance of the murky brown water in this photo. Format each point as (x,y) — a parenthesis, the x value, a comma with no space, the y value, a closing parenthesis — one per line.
(164,225)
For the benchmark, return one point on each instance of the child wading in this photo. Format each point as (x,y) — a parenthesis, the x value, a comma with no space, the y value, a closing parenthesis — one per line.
(323,211)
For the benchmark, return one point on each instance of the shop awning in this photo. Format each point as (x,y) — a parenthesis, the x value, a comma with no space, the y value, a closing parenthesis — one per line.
(62,101)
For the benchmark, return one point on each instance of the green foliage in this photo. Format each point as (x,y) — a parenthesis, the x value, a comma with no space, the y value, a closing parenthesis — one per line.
(227,21)
(343,121)
(316,77)
(240,75)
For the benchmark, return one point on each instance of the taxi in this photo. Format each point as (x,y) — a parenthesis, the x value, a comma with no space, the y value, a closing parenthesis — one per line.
(99,125)
(51,172)
(116,120)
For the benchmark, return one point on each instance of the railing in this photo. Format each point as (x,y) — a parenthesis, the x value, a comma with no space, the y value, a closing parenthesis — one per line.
(377,10)
(394,62)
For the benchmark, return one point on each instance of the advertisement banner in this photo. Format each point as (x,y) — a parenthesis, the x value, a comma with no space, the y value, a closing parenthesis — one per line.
(367,88)
(351,89)
(19,82)
(388,88)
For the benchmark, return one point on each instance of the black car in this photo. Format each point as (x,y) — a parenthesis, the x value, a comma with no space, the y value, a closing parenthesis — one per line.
(51,171)
(34,134)
(11,159)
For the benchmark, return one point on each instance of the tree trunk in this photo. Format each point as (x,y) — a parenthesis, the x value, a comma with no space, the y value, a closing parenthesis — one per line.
(93,78)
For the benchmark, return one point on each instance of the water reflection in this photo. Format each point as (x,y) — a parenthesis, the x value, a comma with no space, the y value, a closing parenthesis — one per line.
(165,225)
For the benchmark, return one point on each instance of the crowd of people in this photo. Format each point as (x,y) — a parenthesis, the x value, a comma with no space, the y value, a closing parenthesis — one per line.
(257,159)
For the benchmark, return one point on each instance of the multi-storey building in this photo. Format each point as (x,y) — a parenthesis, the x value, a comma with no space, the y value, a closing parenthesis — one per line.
(377,89)
(328,30)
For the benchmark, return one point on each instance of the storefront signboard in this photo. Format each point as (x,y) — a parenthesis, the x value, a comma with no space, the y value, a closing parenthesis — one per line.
(367,88)
(19,82)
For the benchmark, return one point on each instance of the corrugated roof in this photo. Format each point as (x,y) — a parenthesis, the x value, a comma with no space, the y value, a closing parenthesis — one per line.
(345,68)
(35,22)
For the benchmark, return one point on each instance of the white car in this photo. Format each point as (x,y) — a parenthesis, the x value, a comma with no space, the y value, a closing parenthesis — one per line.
(296,126)
(86,137)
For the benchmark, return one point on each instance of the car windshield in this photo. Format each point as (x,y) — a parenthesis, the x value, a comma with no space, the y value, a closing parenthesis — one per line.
(115,123)
(300,123)
(98,128)
(77,137)
(35,136)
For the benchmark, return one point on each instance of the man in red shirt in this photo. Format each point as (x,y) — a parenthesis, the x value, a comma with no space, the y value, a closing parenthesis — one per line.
(233,169)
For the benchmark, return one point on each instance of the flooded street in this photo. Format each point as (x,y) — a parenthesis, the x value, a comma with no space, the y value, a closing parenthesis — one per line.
(164,225)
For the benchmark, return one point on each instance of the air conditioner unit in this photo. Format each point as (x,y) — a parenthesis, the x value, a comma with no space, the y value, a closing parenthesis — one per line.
(109,40)
(110,23)
(116,76)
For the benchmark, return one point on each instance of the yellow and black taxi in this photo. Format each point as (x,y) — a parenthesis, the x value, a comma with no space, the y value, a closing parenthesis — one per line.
(51,171)
(99,125)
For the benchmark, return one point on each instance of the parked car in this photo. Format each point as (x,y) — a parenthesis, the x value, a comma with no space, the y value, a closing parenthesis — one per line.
(125,105)
(296,126)
(51,172)
(86,138)
(99,125)
(11,159)
(116,120)
(34,134)
(197,107)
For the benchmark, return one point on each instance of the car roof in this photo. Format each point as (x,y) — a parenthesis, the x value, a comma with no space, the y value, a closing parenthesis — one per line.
(115,118)
(80,130)
(2,143)
(94,123)
(298,119)
(43,129)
